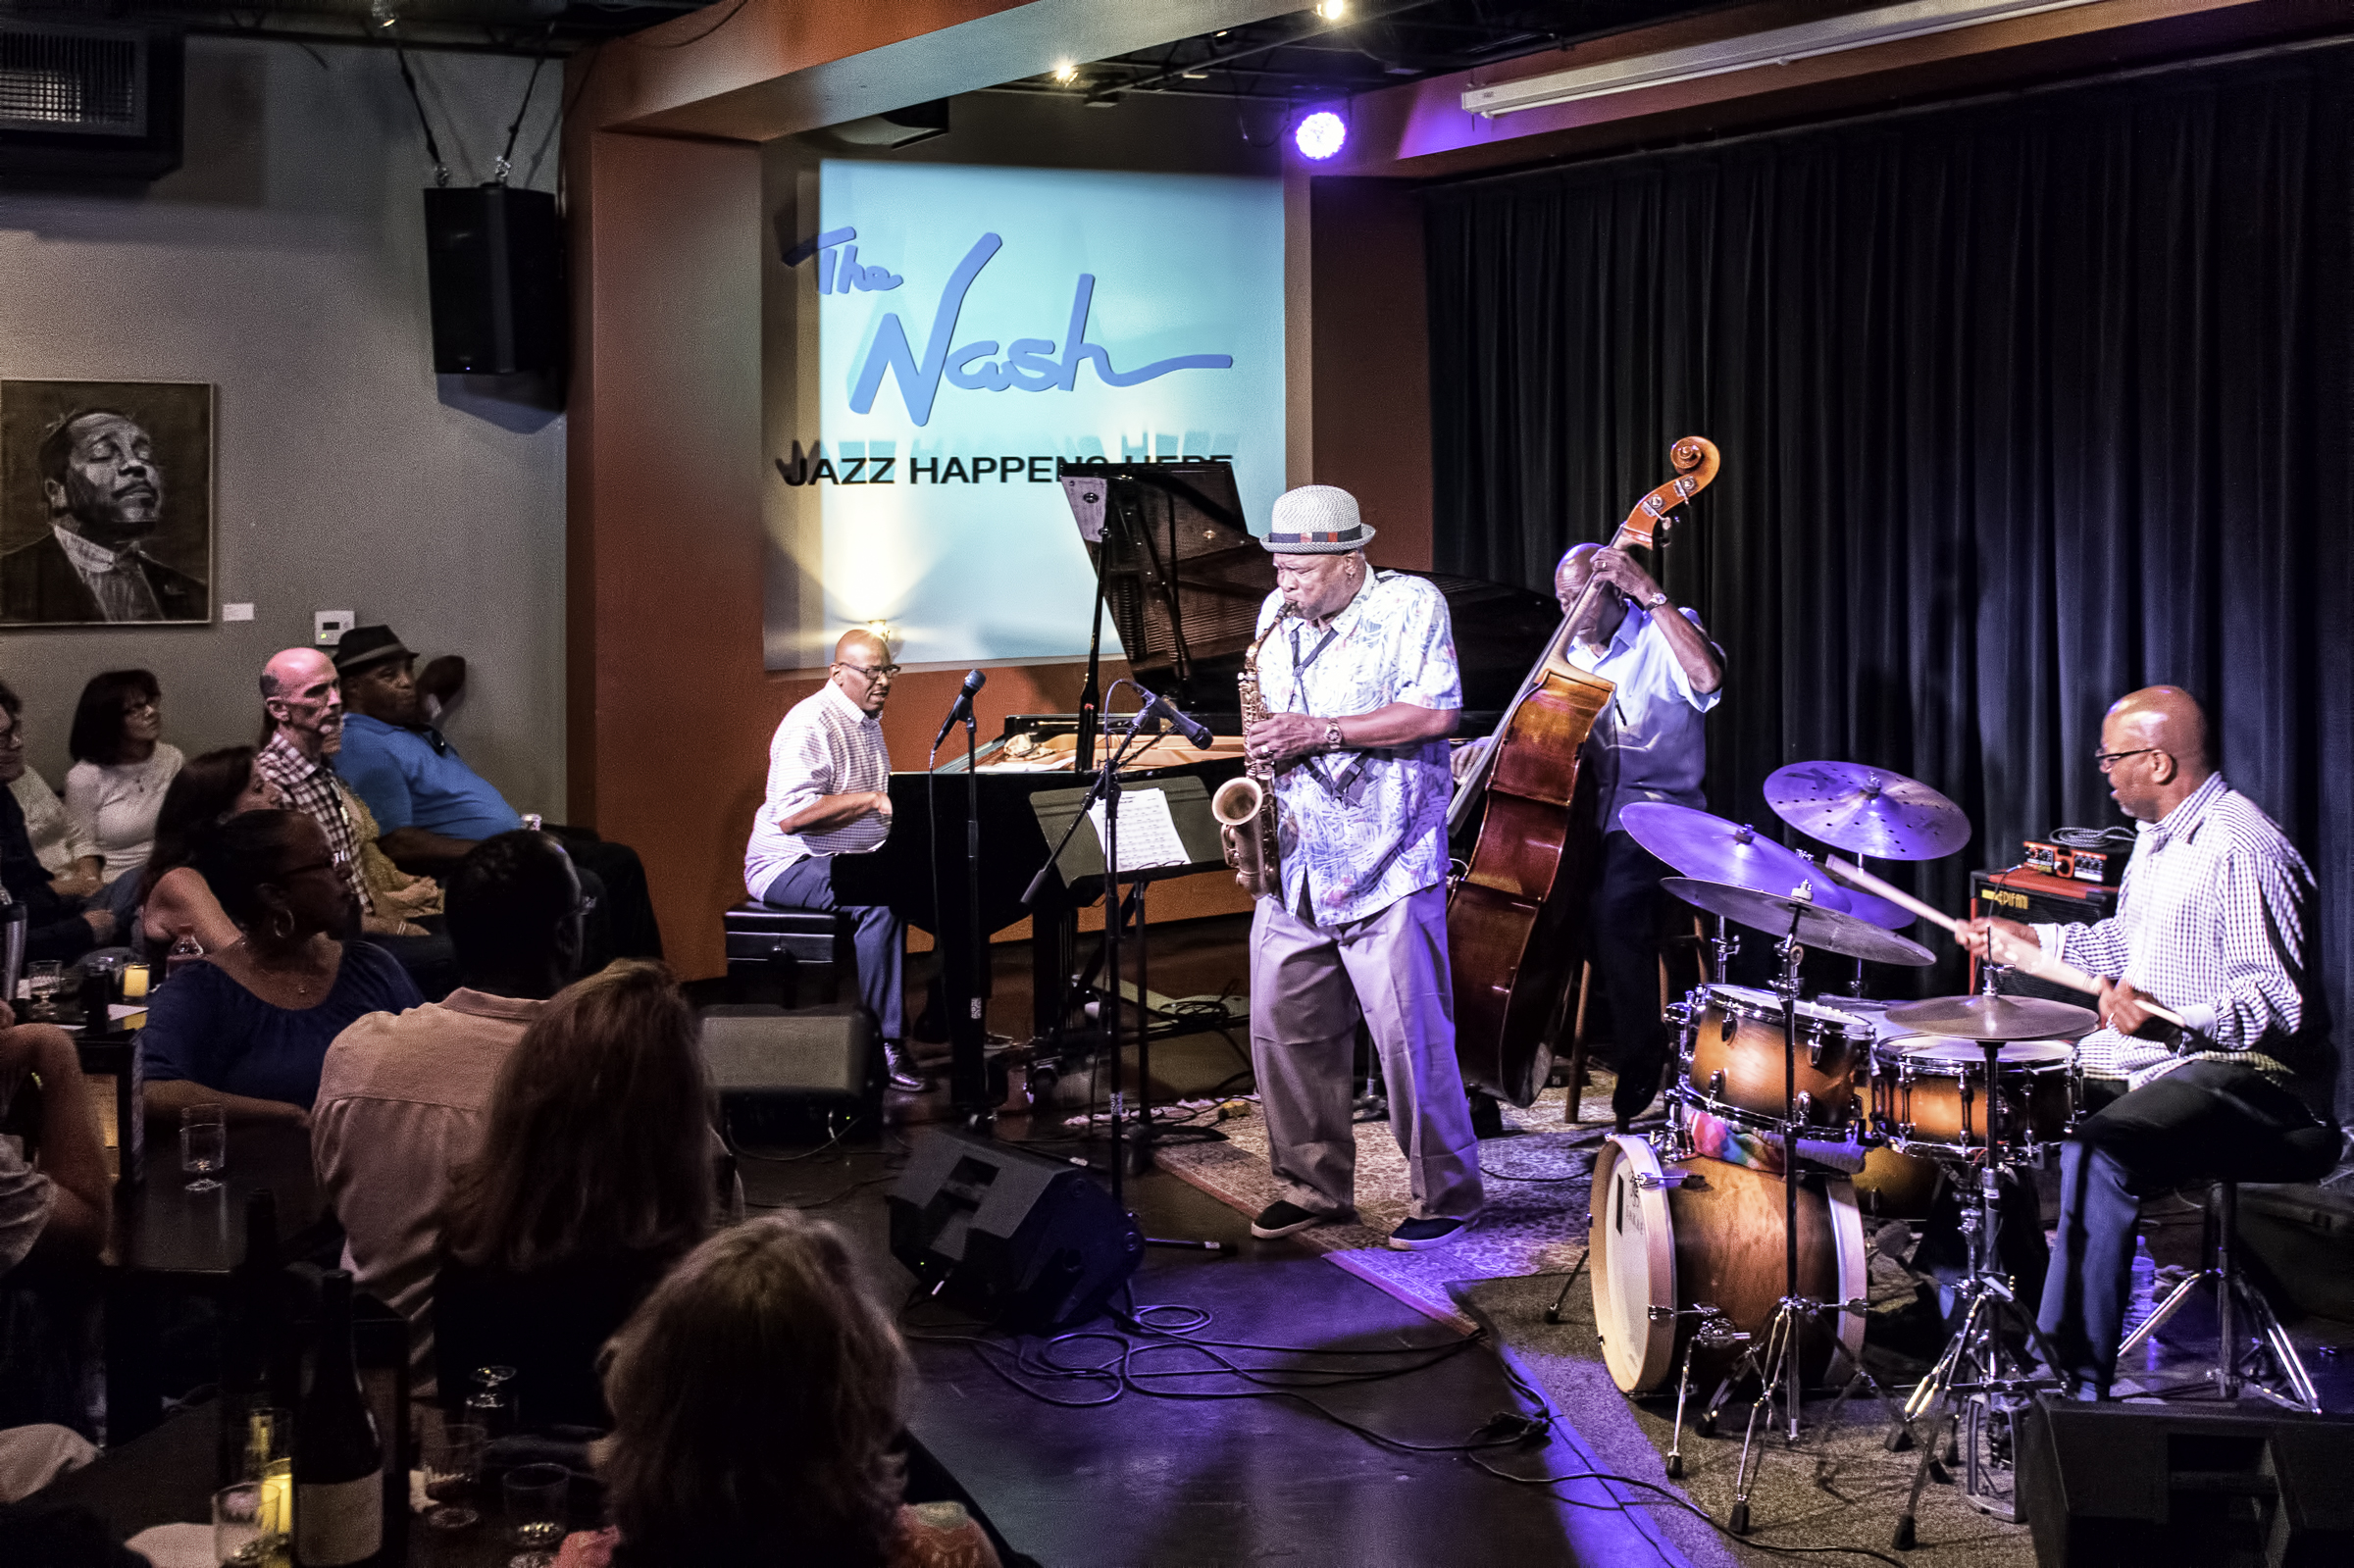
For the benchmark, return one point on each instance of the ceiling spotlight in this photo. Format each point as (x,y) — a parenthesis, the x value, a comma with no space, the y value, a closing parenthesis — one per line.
(1320,136)
(1332,10)
(1066,73)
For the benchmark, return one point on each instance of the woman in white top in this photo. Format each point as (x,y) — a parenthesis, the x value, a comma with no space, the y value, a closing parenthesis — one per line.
(120,767)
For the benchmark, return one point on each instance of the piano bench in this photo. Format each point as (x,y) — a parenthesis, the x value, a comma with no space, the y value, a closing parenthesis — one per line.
(772,950)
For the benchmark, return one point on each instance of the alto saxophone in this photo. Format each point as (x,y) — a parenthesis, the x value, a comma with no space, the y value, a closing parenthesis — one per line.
(1246,807)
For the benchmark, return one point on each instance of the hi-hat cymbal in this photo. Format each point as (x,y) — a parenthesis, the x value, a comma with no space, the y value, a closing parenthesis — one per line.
(1712,849)
(1996,1018)
(1815,927)
(1867,811)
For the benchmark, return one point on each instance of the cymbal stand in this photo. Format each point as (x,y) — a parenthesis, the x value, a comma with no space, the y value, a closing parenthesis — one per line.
(1779,1369)
(1979,1375)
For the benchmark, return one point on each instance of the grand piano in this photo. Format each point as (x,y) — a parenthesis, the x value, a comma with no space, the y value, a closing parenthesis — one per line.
(1183,579)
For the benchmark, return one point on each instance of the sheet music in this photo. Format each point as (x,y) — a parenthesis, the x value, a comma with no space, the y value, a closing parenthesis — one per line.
(1148,833)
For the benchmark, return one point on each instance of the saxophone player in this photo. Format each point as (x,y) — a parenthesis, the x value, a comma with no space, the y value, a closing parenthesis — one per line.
(1356,674)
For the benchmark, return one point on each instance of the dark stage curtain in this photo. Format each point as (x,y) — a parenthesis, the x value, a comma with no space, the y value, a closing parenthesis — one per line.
(2023,405)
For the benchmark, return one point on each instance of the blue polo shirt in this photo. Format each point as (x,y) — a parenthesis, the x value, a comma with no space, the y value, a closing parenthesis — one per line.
(416,779)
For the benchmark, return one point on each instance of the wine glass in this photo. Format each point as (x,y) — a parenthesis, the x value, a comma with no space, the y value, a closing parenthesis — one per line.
(203,1145)
(538,1497)
(41,985)
(491,1405)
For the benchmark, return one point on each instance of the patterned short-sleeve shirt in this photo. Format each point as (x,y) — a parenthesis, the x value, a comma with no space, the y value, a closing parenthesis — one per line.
(1358,831)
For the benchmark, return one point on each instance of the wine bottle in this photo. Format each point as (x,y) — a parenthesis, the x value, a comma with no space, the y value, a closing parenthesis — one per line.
(339,1462)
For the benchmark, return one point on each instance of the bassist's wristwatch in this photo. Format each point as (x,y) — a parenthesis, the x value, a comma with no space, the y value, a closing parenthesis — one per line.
(1332,737)
(1659,596)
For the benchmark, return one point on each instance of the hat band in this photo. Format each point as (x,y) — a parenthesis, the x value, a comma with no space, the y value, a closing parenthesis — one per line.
(1349,536)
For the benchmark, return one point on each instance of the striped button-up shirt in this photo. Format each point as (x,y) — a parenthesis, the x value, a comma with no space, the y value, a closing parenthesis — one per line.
(2211,922)
(312,787)
(827,746)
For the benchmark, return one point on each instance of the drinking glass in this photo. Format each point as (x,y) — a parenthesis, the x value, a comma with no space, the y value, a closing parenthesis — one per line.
(491,1405)
(237,1534)
(452,1462)
(537,1500)
(203,1145)
(41,985)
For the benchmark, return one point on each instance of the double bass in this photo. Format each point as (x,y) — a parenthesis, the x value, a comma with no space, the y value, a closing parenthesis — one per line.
(1516,916)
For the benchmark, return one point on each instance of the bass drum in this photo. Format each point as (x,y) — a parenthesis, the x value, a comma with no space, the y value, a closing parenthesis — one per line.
(1694,1231)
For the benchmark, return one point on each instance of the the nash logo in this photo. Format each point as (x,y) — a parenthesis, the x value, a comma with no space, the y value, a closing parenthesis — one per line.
(1029,364)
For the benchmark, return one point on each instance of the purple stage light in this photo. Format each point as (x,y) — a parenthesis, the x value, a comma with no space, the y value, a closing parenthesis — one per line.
(1320,136)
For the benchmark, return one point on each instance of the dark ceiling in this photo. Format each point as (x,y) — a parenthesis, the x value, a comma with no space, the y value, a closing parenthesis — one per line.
(1311,56)
(498,26)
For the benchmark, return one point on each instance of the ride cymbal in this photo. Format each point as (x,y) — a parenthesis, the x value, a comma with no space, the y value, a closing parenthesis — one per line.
(1867,811)
(1814,925)
(1995,1017)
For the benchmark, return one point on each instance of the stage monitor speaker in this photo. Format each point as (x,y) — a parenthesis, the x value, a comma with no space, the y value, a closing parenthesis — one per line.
(1013,1237)
(494,266)
(2219,1485)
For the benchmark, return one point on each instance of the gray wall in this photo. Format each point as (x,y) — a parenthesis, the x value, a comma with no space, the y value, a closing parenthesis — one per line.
(284,263)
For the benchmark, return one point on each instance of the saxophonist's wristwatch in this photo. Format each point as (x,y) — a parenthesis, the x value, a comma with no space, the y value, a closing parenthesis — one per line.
(1332,737)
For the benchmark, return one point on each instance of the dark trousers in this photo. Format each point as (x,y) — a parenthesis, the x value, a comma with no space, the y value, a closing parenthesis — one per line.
(2204,1120)
(811,884)
(623,925)
(1622,939)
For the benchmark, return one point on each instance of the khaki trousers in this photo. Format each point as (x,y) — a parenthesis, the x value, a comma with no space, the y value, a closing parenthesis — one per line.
(1309,987)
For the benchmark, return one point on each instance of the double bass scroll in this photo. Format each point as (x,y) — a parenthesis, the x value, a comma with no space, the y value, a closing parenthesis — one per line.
(1516,919)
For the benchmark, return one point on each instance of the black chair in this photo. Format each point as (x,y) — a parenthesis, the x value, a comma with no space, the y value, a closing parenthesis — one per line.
(772,950)
(2247,1330)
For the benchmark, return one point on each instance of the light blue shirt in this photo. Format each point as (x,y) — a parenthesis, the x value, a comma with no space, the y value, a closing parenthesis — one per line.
(416,779)
(1648,744)
(1358,831)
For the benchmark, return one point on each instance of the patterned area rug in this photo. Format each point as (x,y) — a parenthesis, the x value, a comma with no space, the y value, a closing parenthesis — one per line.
(1537,1178)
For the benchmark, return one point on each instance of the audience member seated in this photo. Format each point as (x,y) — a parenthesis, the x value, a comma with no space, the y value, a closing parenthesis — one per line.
(121,768)
(75,866)
(756,1400)
(595,1177)
(174,898)
(303,728)
(60,928)
(403,1097)
(434,808)
(248,1026)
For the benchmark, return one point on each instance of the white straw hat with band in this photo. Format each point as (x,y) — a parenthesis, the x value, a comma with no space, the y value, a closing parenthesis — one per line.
(1316,520)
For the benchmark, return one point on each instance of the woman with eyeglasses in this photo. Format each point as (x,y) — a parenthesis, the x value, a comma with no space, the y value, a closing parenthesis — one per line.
(248,1027)
(121,769)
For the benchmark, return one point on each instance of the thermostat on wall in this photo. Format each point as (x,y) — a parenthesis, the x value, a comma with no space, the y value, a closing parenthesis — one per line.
(329,626)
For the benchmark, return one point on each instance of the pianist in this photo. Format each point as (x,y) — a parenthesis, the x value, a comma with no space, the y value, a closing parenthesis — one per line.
(829,800)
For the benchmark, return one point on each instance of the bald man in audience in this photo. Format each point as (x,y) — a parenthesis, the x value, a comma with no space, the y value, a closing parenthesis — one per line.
(2211,923)
(828,805)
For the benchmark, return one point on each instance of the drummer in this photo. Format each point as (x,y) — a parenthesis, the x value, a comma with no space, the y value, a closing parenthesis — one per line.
(2210,922)
(1646,746)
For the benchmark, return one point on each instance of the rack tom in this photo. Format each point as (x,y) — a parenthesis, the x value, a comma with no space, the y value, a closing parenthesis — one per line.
(1929,1095)
(1733,1056)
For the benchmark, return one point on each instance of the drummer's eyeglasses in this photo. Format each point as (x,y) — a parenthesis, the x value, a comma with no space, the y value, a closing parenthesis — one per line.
(2107,760)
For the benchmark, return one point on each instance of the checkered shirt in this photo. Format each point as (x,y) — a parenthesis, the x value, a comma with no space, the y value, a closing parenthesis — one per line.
(311,788)
(2211,921)
(827,746)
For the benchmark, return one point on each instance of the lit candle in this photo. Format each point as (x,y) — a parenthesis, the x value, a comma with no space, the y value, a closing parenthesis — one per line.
(277,1498)
(135,983)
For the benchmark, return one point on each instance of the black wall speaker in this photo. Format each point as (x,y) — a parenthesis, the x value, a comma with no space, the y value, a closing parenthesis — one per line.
(494,262)
(2221,1487)
(1017,1239)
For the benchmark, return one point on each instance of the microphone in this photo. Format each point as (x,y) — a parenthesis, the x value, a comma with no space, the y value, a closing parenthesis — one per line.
(1159,707)
(974,680)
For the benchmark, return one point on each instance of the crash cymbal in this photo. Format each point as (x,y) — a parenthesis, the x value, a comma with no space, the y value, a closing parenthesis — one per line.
(1995,1017)
(1877,910)
(1818,928)
(1712,849)
(1867,811)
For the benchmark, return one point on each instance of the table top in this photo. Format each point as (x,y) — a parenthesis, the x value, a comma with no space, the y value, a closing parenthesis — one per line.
(162,1227)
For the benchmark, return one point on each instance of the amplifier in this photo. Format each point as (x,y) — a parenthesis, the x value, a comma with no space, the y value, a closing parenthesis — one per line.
(2104,868)
(2037,897)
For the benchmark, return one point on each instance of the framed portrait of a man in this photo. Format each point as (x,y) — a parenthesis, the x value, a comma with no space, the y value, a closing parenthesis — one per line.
(106,503)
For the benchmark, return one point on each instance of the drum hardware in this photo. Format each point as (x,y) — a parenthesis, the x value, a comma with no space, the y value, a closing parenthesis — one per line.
(1714,1331)
(1717,1084)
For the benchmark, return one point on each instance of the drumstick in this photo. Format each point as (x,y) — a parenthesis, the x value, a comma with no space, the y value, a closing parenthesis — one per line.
(2029,960)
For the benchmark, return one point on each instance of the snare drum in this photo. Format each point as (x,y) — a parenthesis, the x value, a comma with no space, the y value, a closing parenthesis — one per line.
(1929,1094)
(1733,1056)
(1671,1235)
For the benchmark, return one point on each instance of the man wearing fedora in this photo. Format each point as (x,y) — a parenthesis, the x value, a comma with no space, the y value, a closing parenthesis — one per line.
(1358,676)
(432,807)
